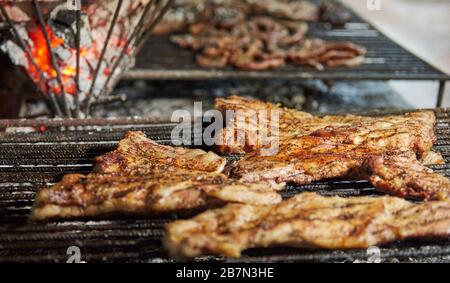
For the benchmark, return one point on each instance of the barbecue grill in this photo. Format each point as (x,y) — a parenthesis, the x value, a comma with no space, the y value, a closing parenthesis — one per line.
(37,153)
(34,154)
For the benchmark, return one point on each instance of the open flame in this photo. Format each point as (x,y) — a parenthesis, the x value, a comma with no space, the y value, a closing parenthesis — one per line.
(41,55)
(104,25)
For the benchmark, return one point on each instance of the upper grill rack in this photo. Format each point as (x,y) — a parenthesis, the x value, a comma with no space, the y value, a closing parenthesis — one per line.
(30,161)
(386,60)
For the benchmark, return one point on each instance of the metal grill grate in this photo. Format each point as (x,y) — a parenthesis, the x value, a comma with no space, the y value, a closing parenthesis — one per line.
(30,161)
(386,60)
(160,59)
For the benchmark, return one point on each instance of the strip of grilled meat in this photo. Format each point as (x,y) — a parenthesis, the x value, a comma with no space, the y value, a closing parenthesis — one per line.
(168,191)
(179,16)
(288,9)
(236,137)
(408,178)
(432,158)
(307,221)
(334,13)
(319,54)
(136,154)
(220,13)
(227,14)
(261,43)
(318,148)
(142,177)
(349,129)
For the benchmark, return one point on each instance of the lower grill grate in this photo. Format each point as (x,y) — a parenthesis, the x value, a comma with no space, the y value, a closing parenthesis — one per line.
(32,160)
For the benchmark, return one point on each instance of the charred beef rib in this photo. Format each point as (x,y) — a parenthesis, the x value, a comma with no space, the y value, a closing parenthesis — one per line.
(317,148)
(307,221)
(142,177)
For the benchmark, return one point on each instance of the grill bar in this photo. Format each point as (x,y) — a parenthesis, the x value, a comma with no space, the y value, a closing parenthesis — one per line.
(30,161)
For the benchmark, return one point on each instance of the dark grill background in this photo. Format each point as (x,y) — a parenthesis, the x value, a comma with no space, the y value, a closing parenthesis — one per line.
(30,161)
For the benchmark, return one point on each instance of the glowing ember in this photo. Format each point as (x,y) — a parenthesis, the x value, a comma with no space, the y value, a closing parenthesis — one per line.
(61,26)
(41,56)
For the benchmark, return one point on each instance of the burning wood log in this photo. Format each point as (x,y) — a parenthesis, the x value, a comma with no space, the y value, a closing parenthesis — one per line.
(75,51)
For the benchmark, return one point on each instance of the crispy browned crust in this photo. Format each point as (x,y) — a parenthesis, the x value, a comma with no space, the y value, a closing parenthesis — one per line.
(137,154)
(416,128)
(332,152)
(307,220)
(408,178)
(432,158)
(317,148)
(236,138)
(142,177)
(158,192)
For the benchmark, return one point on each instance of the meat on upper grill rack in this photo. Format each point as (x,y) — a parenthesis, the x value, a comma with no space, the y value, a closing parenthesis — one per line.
(29,161)
(385,60)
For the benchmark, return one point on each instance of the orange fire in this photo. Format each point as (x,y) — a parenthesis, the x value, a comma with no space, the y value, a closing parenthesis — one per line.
(41,56)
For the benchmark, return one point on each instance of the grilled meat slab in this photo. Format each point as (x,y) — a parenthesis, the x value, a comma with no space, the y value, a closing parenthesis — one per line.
(259,43)
(432,158)
(307,221)
(349,128)
(408,178)
(173,190)
(237,136)
(136,154)
(318,53)
(142,177)
(390,152)
(318,148)
(293,10)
